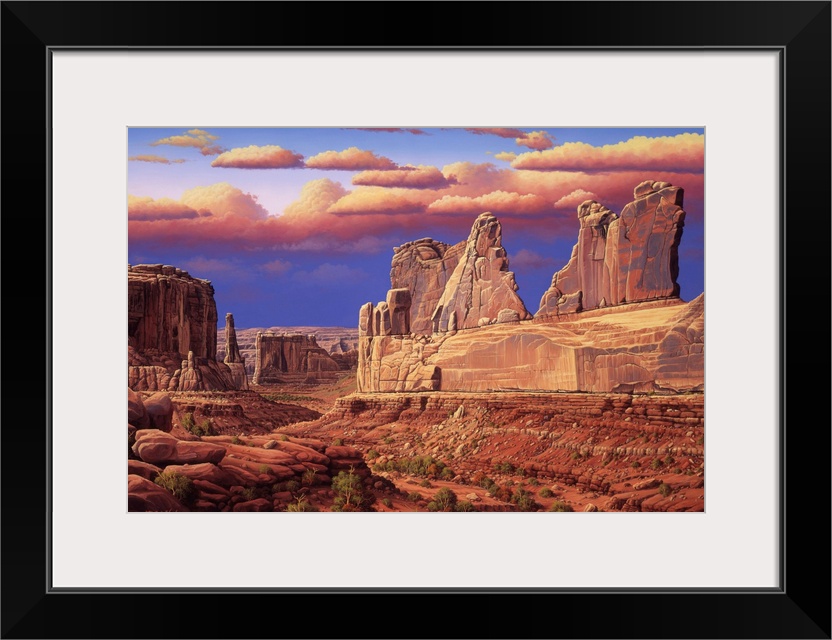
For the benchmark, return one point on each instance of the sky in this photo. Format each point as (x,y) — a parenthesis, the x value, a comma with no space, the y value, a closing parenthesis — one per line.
(296,227)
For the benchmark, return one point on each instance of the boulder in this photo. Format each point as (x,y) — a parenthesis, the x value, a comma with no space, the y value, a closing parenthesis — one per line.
(158,447)
(144,495)
(160,410)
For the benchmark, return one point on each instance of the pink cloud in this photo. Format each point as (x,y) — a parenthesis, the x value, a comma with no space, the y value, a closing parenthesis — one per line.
(497,131)
(415,132)
(276,267)
(497,202)
(211,150)
(408,177)
(377,201)
(682,153)
(223,199)
(152,158)
(535,140)
(254,157)
(146,208)
(196,138)
(527,259)
(352,159)
(574,199)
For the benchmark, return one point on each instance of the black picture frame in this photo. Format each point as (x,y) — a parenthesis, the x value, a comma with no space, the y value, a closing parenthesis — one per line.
(799,31)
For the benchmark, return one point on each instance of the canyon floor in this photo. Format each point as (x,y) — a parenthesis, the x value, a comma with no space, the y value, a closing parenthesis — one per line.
(505,451)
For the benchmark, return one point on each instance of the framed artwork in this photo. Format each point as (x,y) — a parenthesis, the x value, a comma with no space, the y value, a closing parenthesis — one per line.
(372,146)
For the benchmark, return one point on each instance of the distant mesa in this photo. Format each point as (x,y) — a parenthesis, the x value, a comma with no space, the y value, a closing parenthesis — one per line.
(292,358)
(172,332)
(612,319)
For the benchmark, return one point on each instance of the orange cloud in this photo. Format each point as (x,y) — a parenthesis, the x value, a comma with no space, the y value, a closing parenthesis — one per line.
(378,200)
(408,177)
(352,159)
(574,199)
(146,208)
(682,153)
(152,158)
(497,131)
(535,140)
(222,200)
(196,138)
(497,202)
(507,156)
(254,157)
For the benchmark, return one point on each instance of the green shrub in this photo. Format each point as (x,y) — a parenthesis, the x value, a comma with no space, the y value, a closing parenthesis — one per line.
(264,468)
(236,440)
(187,421)
(180,486)
(283,437)
(387,502)
(414,496)
(250,493)
(446,474)
(466,506)
(425,483)
(700,440)
(559,506)
(546,492)
(387,440)
(444,500)
(504,467)
(534,482)
(656,464)
(635,464)
(292,485)
(524,500)
(301,504)
(309,477)
(349,491)
(664,489)
(372,454)
(337,442)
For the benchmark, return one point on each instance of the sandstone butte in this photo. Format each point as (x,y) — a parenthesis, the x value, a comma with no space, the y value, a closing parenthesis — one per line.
(172,333)
(612,320)
(291,358)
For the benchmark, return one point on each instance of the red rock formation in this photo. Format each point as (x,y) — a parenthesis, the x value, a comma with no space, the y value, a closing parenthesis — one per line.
(233,359)
(622,259)
(172,332)
(282,358)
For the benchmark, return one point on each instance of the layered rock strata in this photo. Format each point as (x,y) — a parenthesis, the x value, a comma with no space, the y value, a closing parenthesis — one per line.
(622,259)
(291,358)
(172,332)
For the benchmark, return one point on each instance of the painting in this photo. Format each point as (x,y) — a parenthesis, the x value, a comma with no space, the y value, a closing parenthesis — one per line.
(414,319)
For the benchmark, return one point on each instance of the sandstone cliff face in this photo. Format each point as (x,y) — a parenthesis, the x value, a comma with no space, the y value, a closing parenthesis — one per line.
(172,332)
(297,358)
(622,259)
(170,311)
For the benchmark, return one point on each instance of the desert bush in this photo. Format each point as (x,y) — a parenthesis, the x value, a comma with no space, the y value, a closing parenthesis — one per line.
(236,440)
(524,500)
(546,492)
(465,506)
(425,483)
(292,485)
(446,474)
(534,482)
(414,496)
(372,454)
(283,437)
(482,480)
(180,486)
(187,421)
(504,467)
(635,464)
(559,506)
(387,502)
(349,491)
(301,504)
(387,440)
(337,442)
(264,468)
(309,477)
(444,500)
(664,489)
(656,464)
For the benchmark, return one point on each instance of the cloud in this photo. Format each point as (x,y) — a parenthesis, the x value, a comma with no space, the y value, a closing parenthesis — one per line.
(497,131)
(276,267)
(415,132)
(682,153)
(497,202)
(407,177)
(196,138)
(223,199)
(352,159)
(527,259)
(254,157)
(211,150)
(574,199)
(333,275)
(152,158)
(507,156)
(146,208)
(378,201)
(535,140)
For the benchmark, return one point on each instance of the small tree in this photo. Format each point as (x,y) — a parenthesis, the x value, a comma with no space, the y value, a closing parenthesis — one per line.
(445,500)
(348,489)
